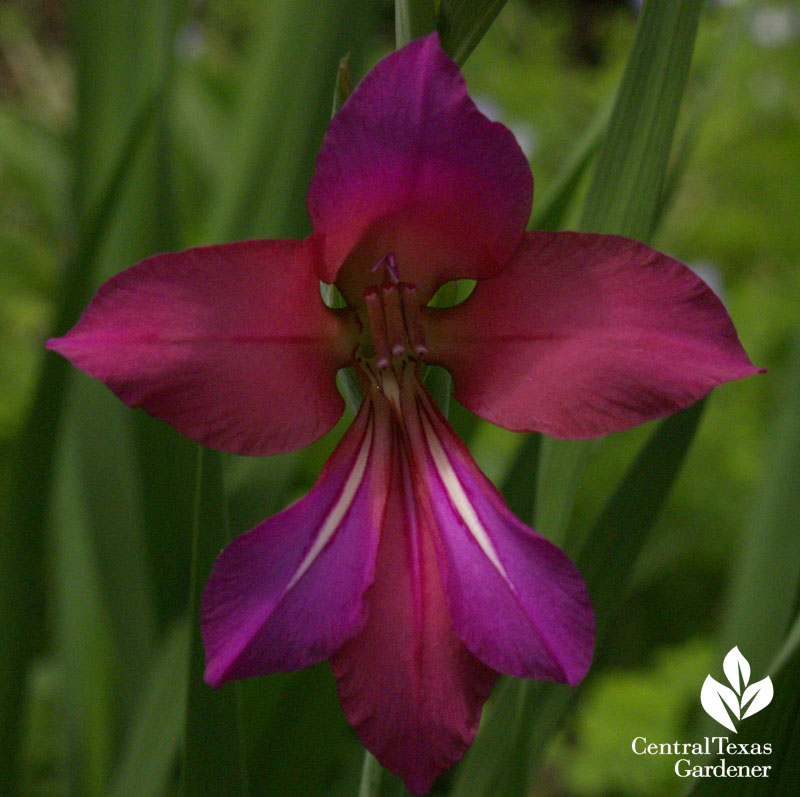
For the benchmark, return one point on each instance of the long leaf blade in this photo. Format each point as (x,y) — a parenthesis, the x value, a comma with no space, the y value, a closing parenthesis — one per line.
(462,24)
(631,166)
(766,577)
(157,725)
(412,20)
(212,749)
(21,546)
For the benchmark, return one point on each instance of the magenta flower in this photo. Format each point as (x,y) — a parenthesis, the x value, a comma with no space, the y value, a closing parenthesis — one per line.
(403,565)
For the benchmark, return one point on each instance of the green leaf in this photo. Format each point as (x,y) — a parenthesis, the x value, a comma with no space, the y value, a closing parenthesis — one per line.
(626,188)
(733,40)
(83,628)
(790,646)
(344,84)
(517,487)
(113,97)
(561,464)
(151,746)
(413,19)
(45,765)
(607,557)
(551,210)
(21,546)
(117,108)
(123,52)
(212,749)
(766,578)
(298,740)
(462,24)
(498,762)
(34,160)
(281,116)
(371,773)
(109,489)
(165,462)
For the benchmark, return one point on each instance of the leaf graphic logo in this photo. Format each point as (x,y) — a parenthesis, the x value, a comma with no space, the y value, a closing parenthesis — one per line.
(739,701)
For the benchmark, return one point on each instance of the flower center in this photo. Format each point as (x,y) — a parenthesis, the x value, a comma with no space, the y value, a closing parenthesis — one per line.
(394,317)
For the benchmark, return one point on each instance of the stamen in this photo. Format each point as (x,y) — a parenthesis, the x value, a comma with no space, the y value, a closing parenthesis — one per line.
(377,321)
(394,318)
(413,318)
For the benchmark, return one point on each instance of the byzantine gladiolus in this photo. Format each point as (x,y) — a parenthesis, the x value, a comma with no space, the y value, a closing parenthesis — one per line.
(403,566)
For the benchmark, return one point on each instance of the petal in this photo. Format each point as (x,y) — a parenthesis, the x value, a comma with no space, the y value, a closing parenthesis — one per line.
(517,602)
(410,166)
(582,335)
(407,684)
(289,593)
(230,344)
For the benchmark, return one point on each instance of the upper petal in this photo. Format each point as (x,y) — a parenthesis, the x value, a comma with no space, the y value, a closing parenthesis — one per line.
(586,334)
(289,592)
(407,683)
(410,166)
(232,345)
(518,603)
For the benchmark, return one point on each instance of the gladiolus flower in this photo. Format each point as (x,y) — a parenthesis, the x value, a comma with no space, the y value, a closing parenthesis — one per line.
(403,565)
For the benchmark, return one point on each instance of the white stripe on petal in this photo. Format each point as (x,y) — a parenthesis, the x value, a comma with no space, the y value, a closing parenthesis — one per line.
(339,509)
(459,498)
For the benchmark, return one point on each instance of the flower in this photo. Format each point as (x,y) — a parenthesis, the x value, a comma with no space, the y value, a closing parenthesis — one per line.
(403,565)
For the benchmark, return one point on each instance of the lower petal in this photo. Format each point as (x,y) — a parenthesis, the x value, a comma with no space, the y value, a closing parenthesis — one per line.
(289,593)
(517,601)
(407,684)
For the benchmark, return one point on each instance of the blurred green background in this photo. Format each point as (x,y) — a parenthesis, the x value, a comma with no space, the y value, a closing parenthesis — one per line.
(134,127)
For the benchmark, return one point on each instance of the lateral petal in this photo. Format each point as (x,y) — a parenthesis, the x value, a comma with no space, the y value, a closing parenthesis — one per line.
(409,165)
(288,593)
(231,345)
(407,684)
(584,334)
(517,601)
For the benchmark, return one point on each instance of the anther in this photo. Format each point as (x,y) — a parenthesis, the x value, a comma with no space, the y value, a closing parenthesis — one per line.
(413,318)
(377,321)
(394,318)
